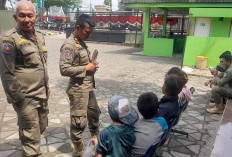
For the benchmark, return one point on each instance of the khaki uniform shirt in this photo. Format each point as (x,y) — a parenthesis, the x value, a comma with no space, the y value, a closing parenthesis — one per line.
(23,66)
(226,80)
(73,60)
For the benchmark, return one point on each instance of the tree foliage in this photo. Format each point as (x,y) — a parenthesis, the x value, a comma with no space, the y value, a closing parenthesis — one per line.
(64,3)
(2,4)
(108,2)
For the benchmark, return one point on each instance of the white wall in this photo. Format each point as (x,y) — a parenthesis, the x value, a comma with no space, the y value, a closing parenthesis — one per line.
(202,27)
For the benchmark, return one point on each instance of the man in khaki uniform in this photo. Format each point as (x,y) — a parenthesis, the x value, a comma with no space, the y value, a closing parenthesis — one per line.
(23,67)
(75,62)
(223,85)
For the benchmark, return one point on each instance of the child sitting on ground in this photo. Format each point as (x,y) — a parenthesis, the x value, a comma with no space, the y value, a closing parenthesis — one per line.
(169,106)
(117,139)
(151,127)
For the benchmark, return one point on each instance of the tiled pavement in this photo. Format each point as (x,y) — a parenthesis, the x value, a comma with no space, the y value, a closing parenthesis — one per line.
(122,72)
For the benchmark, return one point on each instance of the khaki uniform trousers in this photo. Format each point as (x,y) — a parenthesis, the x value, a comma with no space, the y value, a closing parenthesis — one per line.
(220,92)
(32,121)
(83,108)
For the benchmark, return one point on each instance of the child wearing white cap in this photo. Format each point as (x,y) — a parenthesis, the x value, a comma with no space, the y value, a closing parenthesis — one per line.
(117,139)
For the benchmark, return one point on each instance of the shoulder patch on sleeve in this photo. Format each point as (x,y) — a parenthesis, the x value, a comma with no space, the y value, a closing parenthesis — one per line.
(7,48)
(68,55)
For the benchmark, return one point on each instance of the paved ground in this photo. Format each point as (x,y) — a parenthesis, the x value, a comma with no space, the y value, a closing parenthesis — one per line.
(122,72)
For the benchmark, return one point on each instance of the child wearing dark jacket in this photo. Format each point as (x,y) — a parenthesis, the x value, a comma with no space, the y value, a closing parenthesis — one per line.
(168,105)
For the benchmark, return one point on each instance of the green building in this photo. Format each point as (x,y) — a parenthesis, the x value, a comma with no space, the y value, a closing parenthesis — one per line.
(206,28)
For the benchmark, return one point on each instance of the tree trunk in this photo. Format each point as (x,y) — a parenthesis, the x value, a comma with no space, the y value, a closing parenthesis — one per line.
(2,4)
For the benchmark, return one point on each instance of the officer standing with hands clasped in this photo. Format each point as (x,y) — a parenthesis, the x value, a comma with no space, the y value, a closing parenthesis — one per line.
(76,62)
(23,67)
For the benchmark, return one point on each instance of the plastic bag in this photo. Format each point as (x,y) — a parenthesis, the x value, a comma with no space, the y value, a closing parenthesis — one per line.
(90,151)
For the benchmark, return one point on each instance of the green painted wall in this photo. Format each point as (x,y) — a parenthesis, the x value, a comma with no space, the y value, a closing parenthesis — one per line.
(179,5)
(220,29)
(158,47)
(155,46)
(211,47)
(147,23)
(211,12)
(165,23)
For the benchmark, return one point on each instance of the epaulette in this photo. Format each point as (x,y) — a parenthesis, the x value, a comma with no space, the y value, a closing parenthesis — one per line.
(79,49)
(10,32)
(38,31)
(8,36)
(69,41)
(40,35)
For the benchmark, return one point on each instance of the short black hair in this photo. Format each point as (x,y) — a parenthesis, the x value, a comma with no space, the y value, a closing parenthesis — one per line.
(180,73)
(173,85)
(226,55)
(84,18)
(148,105)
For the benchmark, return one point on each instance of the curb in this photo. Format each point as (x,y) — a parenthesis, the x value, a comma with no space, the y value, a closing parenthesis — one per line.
(52,33)
(198,75)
